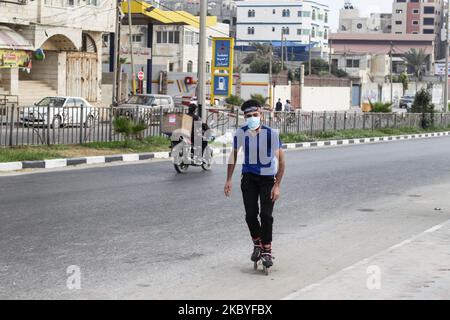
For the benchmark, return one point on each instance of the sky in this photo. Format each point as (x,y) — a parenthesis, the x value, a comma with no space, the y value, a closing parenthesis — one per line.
(365,6)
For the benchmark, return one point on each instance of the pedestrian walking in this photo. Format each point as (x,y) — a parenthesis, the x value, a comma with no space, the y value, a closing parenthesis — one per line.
(288,106)
(279,106)
(262,172)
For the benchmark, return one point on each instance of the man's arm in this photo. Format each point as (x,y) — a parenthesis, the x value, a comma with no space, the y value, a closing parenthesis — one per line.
(275,195)
(231,166)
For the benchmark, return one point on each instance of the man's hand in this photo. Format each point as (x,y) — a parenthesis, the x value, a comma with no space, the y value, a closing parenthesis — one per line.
(275,194)
(227,188)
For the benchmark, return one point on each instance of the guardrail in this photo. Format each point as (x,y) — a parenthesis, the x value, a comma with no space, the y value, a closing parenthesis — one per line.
(77,125)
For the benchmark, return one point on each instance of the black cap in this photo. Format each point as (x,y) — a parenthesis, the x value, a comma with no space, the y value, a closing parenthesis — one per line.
(250,106)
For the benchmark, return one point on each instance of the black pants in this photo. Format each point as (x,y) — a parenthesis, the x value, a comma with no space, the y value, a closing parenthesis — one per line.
(254,188)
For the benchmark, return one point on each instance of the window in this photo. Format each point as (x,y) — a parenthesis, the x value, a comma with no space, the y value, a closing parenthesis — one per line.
(159,37)
(325,34)
(189,37)
(428,10)
(352,63)
(251,30)
(274,11)
(208,67)
(299,13)
(286,13)
(326,17)
(399,11)
(251,13)
(307,14)
(314,14)
(177,37)
(398,22)
(428,21)
(105,38)
(299,32)
(165,37)
(137,38)
(313,32)
(70,3)
(428,31)
(415,11)
(285,30)
(190,66)
(306,32)
(171,37)
(171,66)
(415,22)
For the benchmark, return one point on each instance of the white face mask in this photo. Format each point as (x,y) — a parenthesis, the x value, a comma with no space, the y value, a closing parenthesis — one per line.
(254,123)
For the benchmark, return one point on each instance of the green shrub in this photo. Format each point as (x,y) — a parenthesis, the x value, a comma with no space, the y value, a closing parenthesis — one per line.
(380,107)
(234,100)
(130,129)
(260,98)
(422,104)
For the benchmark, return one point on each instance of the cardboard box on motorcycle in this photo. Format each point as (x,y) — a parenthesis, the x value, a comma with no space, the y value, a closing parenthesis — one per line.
(176,125)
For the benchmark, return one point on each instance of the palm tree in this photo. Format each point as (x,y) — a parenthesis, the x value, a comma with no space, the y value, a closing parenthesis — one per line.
(416,59)
(262,52)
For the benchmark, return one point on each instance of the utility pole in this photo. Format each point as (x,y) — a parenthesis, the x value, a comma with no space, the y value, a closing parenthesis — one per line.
(282,52)
(115,91)
(390,73)
(133,74)
(447,28)
(202,61)
(309,58)
(270,76)
(329,58)
(286,50)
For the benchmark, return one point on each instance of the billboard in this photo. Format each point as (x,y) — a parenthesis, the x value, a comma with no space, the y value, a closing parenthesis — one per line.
(222,67)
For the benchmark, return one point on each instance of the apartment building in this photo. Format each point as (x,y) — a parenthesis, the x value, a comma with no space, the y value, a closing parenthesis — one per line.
(351,21)
(68,33)
(419,17)
(300,24)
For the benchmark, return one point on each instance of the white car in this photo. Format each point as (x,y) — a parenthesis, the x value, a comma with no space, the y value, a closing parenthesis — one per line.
(58,112)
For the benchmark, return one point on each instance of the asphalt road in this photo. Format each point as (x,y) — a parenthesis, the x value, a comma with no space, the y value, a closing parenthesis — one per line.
(142,231)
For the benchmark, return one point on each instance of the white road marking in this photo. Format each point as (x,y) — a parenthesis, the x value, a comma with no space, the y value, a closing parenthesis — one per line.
(364,261)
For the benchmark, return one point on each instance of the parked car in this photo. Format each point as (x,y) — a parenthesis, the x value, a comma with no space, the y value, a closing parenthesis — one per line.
(59,111)
(144,106)
(406,101)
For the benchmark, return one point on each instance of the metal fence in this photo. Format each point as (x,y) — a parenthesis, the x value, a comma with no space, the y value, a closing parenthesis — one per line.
(77,125)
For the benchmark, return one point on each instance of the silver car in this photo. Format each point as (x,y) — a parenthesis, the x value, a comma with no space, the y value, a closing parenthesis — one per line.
(58,112)
(144,107)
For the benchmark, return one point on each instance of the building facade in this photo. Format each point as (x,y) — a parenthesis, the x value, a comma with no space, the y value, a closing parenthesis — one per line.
(419,17)
(175,47)
(301,24)
(351,21)
(69,34)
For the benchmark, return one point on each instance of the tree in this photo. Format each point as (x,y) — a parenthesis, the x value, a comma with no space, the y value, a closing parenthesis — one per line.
(260,60)
(260,98)
(422,104)
(321,67)
(416,59)
(234,100)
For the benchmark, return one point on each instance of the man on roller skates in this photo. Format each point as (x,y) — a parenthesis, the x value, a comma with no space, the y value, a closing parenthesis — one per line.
(262,171)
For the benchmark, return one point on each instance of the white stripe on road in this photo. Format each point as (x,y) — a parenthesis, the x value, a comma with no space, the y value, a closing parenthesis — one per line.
(364,261)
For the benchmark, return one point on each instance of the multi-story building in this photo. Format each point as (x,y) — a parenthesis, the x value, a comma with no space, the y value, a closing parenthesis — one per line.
(68,32)
(419,17)
(300,23)
(351,21)
(175,47)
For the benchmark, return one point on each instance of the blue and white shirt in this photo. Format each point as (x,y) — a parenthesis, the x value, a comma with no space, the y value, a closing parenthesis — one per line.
(259,150)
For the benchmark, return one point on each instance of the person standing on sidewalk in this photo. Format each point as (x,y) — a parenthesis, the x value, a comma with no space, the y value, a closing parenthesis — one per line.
(262,172)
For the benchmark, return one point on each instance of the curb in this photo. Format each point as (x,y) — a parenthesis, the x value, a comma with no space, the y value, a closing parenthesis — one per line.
(60,163)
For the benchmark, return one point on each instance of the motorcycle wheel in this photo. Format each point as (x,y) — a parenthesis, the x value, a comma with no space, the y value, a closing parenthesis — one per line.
(181,168)
(207,159)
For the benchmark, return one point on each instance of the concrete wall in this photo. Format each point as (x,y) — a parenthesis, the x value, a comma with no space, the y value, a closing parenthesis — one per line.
(254,83)
(326,98)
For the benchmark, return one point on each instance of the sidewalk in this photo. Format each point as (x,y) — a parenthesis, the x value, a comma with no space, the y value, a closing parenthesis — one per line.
(418,268)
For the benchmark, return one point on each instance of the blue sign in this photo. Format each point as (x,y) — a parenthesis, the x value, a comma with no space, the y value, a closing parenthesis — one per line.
(222,53)
(221,85)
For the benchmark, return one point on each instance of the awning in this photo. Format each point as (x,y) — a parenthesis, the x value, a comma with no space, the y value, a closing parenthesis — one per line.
(10,39)
(143,13)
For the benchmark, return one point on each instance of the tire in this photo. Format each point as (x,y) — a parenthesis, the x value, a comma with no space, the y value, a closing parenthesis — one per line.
(89,122)
(207,159)
(56,123)
(181,168)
